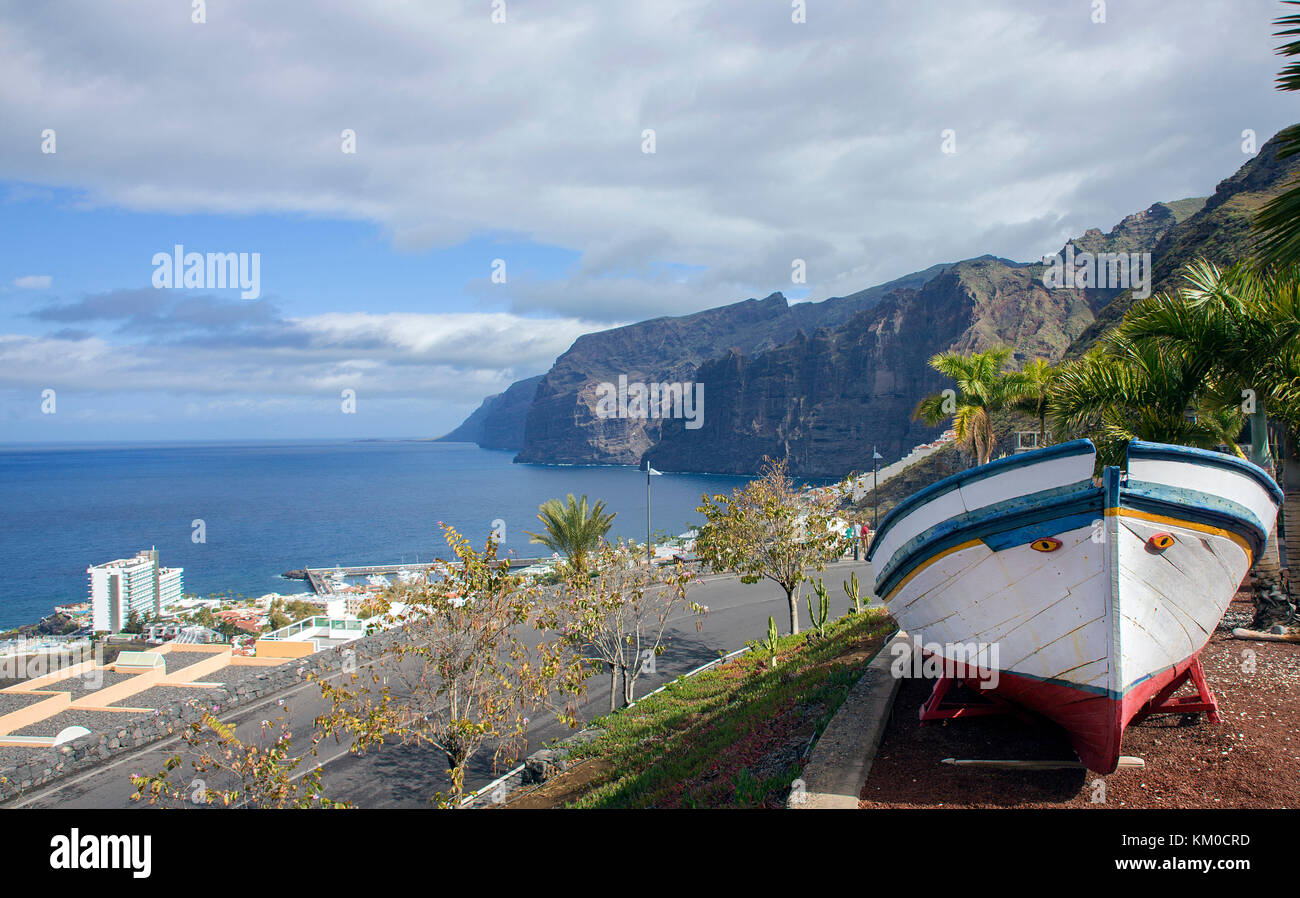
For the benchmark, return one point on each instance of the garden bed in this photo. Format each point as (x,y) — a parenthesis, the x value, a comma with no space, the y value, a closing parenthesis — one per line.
(732,736)
(161,697)
(95,721)
(16,701)
(177,661)
(232,674)
(83,685)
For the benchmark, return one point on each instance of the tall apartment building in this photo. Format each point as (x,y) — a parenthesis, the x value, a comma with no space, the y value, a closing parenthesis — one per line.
(131,584)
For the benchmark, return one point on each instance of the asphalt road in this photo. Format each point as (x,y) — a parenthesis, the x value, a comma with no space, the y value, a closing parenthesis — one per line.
(405,776)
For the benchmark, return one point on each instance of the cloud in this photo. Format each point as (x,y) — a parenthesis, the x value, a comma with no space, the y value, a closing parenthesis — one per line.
(200,344)
(107,306)
(774,140)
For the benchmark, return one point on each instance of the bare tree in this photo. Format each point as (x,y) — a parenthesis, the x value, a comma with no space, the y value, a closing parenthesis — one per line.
(768,529)
(228,772)
(616,613)
(474,664)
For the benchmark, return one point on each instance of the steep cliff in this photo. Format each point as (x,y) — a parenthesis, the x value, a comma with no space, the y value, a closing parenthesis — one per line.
(471,429)
(498,422)
(563,424)
(821,383)
(815,382)
(824,401)
(1219,230)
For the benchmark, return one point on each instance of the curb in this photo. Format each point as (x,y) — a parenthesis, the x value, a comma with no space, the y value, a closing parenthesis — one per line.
(842,758)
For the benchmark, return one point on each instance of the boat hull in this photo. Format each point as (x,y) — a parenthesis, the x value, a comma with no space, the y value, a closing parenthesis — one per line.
(1087,600)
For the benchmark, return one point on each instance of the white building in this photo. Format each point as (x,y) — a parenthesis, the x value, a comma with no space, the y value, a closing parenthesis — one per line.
(131,584)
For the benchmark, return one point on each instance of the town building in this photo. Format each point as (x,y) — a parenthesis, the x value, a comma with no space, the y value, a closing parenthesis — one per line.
(136,584)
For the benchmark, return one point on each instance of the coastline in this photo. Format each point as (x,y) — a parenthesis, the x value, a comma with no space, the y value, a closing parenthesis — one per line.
(273,506)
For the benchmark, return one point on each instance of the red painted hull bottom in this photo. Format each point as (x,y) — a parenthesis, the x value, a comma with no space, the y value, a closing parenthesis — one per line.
(1095,723)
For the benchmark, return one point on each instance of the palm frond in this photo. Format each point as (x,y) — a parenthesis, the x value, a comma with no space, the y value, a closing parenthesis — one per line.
(572,527)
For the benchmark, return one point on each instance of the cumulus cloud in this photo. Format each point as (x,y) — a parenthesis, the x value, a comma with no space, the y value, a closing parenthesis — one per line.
(773,140)
(206,345)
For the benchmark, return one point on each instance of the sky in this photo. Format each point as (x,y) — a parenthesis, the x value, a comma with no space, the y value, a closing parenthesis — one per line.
(441,196)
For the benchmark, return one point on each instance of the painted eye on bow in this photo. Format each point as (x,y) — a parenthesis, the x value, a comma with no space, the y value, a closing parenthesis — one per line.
(1159,542)
(1045,544)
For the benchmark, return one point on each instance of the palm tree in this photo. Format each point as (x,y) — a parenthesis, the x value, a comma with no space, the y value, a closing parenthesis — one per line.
(1039,375)
(982,388)
(1288,409)
(1122,390)
(572,528)
(1240,330)
(1279,220)
(1278,223)
(1237,328)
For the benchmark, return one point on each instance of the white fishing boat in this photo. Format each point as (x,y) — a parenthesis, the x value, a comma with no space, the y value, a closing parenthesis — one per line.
(1087,604)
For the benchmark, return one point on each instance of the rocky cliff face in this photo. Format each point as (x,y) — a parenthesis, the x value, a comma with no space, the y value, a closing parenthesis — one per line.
(820,383)
(824,401)
(813,382)
(1218,230)
(471,429)
(1141,231)
(498,422)
(564,425)
(503,428)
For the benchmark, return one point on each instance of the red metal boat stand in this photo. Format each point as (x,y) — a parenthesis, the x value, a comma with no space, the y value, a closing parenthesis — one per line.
(1203,701)
(938,707)
(935,707)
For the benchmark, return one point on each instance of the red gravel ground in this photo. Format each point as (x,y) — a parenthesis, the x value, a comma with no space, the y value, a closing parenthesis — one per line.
(1250,760)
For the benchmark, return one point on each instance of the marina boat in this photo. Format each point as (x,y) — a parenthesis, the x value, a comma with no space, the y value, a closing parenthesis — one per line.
(379,580)
(1088,604)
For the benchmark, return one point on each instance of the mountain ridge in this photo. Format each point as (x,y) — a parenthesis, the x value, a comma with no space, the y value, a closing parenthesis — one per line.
(820,383)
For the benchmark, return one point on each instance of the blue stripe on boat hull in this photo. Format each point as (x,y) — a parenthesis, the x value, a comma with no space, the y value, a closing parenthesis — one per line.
(1046,513)
(1141,449)
(961,478)
(1197,507)
(1019,521)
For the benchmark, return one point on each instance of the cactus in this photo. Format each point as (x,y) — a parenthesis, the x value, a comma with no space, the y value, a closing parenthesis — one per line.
(770,643)
(854,592)
(823,609)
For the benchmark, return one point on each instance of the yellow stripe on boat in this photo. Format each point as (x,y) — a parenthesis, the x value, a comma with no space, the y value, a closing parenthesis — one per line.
(1110,512)
(1180,522)
(929,561)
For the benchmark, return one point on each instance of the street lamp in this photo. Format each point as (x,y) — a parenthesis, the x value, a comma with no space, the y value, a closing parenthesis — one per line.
(649,549)
(875,488)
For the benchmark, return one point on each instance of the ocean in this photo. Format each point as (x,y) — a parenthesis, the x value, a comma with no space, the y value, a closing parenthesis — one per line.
(270,507)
